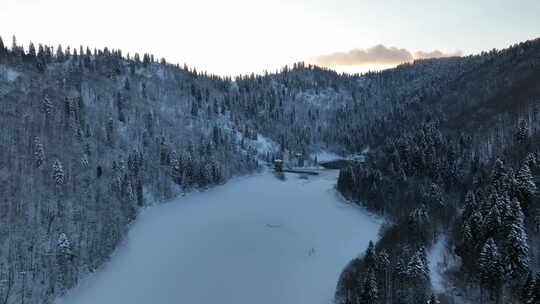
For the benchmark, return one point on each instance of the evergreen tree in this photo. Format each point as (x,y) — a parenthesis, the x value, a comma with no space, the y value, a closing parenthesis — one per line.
(528,289)
(59,53)
(530,160)
(84,161)
(39,152)
(47,106)
(64,257)
(2,47)
(110,131)
(418,277)
(32,50)
(498,174)
(14,47)
(516,247)
(522,133)
(370,292)
(470,204)
(491,269)
(526,187)
(493,220)
(535,297)
(370,256)
(58,173)
(433,299)
(64,245)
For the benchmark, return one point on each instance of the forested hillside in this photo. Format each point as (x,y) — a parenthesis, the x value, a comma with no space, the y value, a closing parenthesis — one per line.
(461,161)
(87,140)
(89,137)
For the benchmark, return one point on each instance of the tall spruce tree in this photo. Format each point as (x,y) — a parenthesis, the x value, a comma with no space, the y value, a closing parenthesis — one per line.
(491,269)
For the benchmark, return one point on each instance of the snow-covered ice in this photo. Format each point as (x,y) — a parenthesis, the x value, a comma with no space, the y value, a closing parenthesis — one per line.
(257,239)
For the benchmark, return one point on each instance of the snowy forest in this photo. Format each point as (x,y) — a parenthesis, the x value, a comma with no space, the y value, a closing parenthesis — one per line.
(90,137)
(464,166)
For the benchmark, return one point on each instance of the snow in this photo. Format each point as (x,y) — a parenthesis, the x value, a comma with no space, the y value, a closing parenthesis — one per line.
(10,74)
(257,239)
(263,145)
(437,264)
(324,156)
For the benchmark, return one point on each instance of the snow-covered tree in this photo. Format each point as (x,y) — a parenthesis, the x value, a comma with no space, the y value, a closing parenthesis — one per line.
(470,204)
(516,248)
(491,268)
(522,133)
(64,245)
(58,172)
(2,47)
(494,220)
(527,290)
(526,187)
(418,276)
(47,105)
(433,299)
(535,296)
(370,257)
(84,161)
(39,152)
(370,292)
(498,173)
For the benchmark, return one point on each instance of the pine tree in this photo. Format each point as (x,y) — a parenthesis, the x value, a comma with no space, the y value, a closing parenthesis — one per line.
(493,220)
(522,133)
(470,204)
(530,160)
(64,257)
(59,53)
(14,47)
(370,292)
(110,130)
(535,297)
(47,106)
(490,266)
(370,256)
(58,173)
(528,289)
(526,187)
(2,47)
(433,299)
(417,268)
(476,222)
(84,161)
(418,277)
(516,247)
(39,152)
(32,50)
(498,174)
(64,246)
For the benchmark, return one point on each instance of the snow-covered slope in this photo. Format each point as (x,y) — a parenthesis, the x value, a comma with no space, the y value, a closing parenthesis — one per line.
(257,239)
(437,264)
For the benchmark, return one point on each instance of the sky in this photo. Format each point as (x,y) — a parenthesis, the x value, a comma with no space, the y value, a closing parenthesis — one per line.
(244,36)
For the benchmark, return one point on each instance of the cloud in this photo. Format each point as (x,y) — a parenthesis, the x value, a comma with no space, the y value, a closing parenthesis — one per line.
(378,54)
(435,54)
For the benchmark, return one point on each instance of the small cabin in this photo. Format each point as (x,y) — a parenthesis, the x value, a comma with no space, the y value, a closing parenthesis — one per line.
(300,159)
(278,165)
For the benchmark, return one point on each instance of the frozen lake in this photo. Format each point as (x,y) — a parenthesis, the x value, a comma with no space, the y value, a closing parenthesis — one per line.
(256,239)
